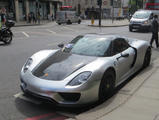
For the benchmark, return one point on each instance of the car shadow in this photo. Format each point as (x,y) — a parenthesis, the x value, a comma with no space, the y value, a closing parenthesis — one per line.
(141,31)
(3,44)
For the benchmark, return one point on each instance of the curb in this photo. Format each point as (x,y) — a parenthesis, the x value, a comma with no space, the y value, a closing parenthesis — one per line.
(28,25)
(109,25)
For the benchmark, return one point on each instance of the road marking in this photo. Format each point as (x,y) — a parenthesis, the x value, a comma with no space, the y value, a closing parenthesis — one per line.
(25,34)
(51,31)
(17,95)
(69,28)
(40,116)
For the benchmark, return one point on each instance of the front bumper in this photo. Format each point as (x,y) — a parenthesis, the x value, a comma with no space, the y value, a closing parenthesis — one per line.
(56,91)
(140,26)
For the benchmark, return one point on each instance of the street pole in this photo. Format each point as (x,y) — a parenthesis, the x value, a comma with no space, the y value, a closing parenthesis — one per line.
(136,5)
(100,11)
(37,11)
(99,2)
(142,4)
(113,12)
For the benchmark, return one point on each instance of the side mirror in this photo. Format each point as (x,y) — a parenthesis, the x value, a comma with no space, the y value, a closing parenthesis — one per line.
(61,45)
(124,55)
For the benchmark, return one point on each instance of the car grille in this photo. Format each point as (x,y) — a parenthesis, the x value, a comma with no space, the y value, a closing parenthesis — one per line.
(71,97)
(35,96)
(135,22)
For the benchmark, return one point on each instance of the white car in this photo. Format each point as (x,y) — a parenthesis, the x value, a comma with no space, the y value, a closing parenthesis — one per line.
(68,17)
(84,71)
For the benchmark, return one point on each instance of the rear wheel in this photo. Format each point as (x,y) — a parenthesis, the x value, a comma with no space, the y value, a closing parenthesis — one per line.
(107,85)
(7,37)
(79,21)
(147,58)
(69,22)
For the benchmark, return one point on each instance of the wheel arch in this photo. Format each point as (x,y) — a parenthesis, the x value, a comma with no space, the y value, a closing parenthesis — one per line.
(101,97)
(111,69)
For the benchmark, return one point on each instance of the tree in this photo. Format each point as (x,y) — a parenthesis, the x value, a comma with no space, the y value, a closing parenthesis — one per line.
(134,5)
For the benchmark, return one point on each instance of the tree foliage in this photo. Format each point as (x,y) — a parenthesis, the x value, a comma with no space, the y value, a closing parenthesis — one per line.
(135,5)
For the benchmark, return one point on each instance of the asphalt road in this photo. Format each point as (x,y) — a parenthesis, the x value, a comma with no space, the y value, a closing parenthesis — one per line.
(27,41)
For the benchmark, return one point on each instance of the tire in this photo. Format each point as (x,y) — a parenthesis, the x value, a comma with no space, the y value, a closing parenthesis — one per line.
(107,85)
(79,21)
(69,22)
(130,29)
(147,58)
(7,37)
(59,23)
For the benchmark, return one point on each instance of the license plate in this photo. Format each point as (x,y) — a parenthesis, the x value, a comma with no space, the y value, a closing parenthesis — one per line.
(135,26)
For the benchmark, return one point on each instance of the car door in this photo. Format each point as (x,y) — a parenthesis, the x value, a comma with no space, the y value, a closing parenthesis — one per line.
(123,58)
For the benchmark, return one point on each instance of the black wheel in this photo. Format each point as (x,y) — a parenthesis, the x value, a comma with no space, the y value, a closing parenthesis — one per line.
(59,23)
(107,85)
(147,58)
(79,21)
(7,37)
(69,22)
(130,29)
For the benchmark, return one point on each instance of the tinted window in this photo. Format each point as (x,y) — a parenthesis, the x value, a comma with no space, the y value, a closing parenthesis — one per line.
(119,45)
(90,46)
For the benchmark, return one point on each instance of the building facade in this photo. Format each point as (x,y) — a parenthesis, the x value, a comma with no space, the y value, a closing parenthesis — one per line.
(20,9)
(87,7)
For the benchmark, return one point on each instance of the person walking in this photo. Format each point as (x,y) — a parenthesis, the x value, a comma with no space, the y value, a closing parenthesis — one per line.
(154,31)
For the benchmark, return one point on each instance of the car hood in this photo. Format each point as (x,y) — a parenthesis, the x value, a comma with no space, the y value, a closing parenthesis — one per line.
(60,65)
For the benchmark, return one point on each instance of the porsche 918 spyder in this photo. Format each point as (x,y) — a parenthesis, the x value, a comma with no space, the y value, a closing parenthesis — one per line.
(85,70)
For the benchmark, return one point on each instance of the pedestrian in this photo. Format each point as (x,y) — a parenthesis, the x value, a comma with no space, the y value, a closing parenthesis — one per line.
(3,16)
(34,19)
(38,17)
(0,22)
(154,31)
(29,17)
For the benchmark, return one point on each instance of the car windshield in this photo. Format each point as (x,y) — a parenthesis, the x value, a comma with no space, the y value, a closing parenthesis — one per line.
(89,46)
(141,15)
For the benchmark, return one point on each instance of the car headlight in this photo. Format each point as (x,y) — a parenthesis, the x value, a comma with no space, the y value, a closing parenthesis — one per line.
(80,79)
(27,64)
(145,22)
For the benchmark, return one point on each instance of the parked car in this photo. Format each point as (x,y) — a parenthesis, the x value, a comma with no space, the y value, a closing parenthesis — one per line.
(86,70)
(141,20)
(68,17)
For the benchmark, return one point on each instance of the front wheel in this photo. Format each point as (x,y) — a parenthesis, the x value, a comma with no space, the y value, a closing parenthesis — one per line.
(147,58)
(130,29)
(7,37)
(107,85)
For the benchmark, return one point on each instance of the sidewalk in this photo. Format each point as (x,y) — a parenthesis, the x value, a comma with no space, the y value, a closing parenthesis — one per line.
(24,23)
(138,100)
(110,23)
(104,23)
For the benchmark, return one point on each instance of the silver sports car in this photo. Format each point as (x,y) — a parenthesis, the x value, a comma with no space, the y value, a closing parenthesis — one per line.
(85,70)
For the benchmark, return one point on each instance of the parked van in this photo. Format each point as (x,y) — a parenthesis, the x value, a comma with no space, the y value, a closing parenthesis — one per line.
(68,17)
(142,19)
